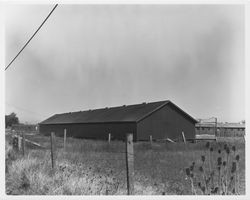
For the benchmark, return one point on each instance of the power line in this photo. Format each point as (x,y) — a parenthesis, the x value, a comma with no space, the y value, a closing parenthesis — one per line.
(31,37)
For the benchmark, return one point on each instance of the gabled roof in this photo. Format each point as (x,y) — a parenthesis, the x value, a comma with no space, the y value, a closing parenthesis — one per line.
(126,113)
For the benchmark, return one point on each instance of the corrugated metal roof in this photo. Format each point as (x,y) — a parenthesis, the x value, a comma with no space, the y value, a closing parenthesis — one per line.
(129,113)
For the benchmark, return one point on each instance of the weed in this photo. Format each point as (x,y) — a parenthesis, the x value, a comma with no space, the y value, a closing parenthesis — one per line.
(225,170)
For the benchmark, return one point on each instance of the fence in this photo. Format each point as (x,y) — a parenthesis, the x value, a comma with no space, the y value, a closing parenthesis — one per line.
(171,161)
(19,145)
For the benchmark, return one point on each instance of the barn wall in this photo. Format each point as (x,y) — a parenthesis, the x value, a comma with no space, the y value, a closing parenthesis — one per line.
(166,122)
(93,130)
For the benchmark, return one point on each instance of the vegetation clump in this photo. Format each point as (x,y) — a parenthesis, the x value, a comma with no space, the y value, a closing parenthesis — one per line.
(221,177)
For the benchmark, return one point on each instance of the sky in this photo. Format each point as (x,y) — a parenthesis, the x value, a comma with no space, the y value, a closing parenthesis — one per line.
(93,56)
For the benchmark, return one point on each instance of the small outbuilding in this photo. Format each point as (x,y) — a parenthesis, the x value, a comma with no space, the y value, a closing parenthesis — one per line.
(221,129)
(161,120)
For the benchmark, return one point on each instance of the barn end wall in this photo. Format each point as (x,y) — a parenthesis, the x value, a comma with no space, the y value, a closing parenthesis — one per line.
(98,131)
(167,122)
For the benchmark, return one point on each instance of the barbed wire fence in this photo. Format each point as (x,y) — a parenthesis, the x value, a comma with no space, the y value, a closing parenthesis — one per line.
(19,144)
(124,154)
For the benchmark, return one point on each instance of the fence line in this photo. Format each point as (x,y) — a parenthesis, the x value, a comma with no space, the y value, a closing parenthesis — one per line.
(128,158)
(129,155)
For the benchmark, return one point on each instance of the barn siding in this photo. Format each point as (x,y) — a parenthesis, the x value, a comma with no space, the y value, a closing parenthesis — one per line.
(91,130)
(166,122)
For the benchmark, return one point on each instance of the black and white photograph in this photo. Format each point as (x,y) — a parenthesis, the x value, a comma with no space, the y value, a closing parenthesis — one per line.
(124,99)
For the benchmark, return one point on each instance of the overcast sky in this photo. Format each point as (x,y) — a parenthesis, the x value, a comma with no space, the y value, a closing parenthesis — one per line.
(108,55)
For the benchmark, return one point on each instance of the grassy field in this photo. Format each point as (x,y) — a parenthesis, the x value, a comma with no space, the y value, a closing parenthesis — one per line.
(89,167)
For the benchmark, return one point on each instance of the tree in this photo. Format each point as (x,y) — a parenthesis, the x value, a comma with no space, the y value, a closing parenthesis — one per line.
(11,119)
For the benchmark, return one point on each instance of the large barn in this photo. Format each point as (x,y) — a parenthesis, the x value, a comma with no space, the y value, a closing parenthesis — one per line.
(162,119)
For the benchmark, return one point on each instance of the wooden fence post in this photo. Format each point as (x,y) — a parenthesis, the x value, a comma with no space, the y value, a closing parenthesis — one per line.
(183,136)
(130,163)
(109,137)
(24,143)
(52,142)
(64,141)
(15,143)
(19,139)
(215,132)
(151,139)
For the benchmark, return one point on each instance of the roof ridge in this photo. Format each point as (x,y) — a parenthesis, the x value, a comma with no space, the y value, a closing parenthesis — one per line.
(122,106)
(121,113)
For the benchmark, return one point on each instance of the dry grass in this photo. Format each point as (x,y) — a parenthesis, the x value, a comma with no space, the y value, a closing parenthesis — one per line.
(96,168)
